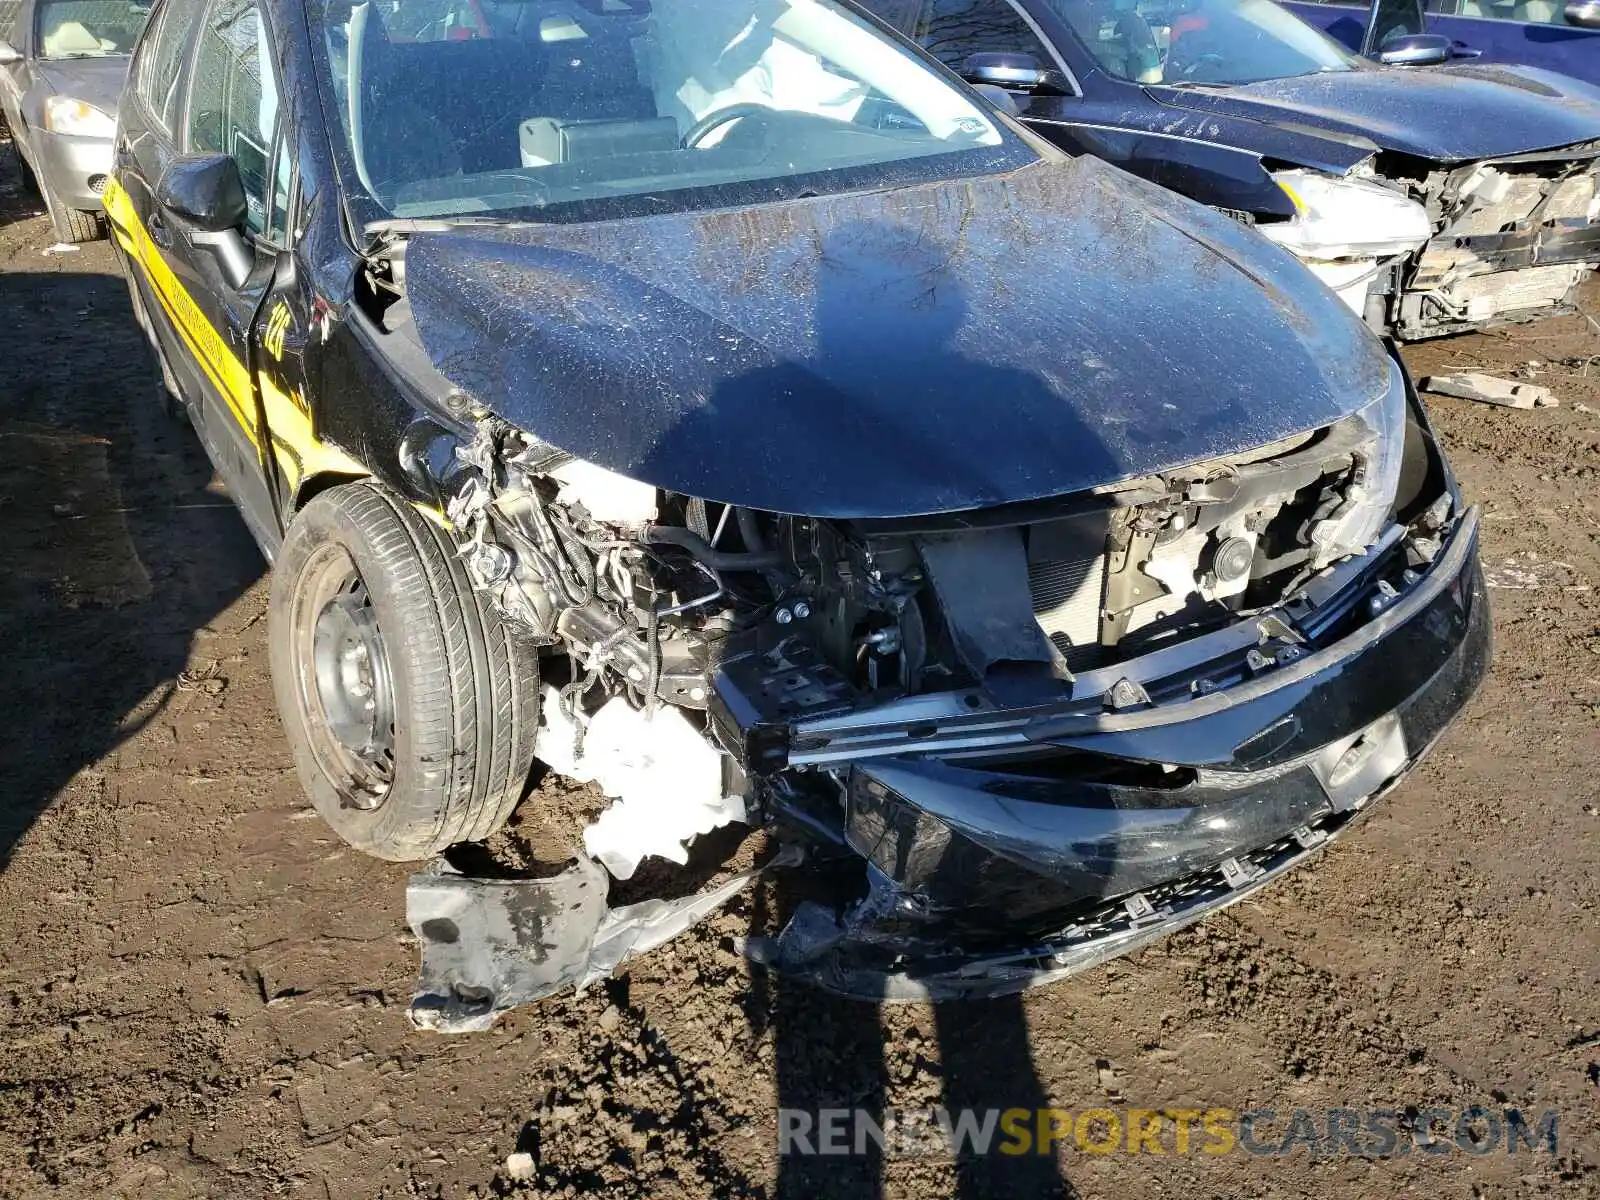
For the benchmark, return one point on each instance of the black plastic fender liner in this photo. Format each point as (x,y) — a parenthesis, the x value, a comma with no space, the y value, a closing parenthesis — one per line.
(488,945)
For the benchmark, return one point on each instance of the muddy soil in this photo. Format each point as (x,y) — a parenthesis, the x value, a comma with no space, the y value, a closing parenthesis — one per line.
(202,992)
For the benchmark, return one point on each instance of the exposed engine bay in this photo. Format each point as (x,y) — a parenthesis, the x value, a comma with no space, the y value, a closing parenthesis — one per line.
(1513,240)
(687,640)
(1128,644)
(707,663)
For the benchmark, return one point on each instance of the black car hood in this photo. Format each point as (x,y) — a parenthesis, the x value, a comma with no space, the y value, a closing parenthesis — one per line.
(1450,114)
(923,349)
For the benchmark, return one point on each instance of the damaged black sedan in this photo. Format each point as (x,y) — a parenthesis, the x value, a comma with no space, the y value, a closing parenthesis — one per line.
(718,402)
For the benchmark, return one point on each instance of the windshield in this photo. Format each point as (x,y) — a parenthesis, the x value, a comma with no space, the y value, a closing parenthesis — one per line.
(574,109)
(89,28)
(1200,41)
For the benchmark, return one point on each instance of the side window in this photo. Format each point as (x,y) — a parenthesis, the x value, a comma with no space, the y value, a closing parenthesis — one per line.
(1536,12)
(954,30)
(233,100)
(278,229)
(162,63)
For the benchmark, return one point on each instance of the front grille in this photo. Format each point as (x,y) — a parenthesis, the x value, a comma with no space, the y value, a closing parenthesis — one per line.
(1066,603)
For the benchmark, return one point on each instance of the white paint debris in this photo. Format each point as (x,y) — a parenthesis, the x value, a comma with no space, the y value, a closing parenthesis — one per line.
(665,777)
(61,248)
(519,1167)
(1487,389)
(1532,573)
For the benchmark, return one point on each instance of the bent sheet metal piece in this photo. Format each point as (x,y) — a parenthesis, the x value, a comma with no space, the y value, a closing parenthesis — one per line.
(491,944)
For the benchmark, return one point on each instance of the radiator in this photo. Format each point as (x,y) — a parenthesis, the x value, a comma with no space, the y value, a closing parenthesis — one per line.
(1066,603)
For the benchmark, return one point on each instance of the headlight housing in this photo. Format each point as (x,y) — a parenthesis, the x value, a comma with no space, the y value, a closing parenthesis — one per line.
(1358,522)
(1346,217)
(62,114)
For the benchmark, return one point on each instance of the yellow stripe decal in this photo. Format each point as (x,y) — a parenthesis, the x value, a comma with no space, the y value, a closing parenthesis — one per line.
(300,453)
(223,367)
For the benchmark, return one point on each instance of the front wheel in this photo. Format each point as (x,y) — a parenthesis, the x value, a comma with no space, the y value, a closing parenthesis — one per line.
(71,225)
(409,705)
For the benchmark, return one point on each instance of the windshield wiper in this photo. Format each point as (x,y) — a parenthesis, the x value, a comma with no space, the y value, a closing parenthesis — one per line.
(394,229)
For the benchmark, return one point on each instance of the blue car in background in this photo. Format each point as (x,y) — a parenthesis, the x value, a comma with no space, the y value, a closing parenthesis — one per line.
(1551,34)
(1432,200)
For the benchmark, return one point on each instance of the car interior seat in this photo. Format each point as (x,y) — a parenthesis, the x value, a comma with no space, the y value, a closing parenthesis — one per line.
(1118,36)
(399,140)
(1542,12)
(591,102)
(1499,10)
(69,38)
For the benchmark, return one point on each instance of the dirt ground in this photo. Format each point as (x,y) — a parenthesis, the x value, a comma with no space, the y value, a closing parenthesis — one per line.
(202,992)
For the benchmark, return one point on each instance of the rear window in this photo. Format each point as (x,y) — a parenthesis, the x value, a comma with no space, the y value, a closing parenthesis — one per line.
(89,28)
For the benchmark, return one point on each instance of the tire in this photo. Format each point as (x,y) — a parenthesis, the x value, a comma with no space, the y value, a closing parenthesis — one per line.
(30,182)
(72,225)
(461,686)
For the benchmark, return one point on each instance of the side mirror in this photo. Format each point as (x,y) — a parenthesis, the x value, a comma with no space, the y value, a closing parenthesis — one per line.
(10,54)
(1015,73)
(206,190)
(1415,50)
(1005,101)
(1584,13)
(206,193)
(1389,19)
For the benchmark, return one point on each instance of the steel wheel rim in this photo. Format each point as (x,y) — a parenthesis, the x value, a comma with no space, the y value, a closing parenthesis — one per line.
(345,685)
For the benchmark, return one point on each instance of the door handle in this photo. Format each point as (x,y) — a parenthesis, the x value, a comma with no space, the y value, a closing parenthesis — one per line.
(1462,50)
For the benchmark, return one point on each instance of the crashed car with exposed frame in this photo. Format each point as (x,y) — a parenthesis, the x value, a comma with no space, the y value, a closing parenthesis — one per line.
(1434,199)
(721,403)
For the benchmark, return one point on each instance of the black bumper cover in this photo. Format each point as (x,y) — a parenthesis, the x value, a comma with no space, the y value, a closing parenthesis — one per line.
(966,860)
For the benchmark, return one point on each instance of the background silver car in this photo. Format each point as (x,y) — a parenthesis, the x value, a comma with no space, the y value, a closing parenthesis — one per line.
(61,69)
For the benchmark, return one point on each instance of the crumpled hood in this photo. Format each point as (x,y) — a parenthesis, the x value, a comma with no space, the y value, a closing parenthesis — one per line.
(96,81)
(916,350)
(1452,114)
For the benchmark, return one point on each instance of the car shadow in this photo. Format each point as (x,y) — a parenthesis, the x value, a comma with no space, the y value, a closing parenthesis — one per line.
(116,550)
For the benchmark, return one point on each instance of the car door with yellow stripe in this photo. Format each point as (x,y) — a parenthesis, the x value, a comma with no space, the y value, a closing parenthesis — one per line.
(209,240)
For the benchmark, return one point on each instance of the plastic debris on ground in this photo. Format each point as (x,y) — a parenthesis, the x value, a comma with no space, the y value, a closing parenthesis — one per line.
(1487,389)
(665,778)
(491,944)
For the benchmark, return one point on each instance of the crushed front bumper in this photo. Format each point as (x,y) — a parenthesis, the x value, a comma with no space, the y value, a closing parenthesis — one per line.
(1517,237)
(988,877)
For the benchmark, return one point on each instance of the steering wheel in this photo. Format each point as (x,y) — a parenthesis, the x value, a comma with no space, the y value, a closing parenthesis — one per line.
(717,118)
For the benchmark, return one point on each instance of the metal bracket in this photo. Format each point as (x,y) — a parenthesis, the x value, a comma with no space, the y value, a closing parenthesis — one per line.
(1237,873)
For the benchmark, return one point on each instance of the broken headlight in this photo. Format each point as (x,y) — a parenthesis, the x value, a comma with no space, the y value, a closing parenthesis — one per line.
(1369,498)
(1339,217)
